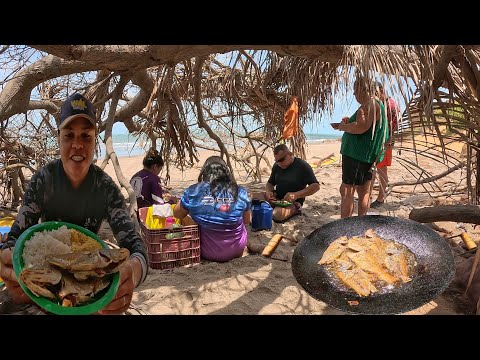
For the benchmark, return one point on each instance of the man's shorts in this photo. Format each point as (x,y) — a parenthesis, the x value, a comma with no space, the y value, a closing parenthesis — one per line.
(387,159)
(355,172)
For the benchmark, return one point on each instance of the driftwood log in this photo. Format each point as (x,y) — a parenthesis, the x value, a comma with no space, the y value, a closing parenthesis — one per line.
(458,213)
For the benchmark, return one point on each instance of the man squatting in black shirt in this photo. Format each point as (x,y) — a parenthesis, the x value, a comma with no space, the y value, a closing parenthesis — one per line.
(292,179)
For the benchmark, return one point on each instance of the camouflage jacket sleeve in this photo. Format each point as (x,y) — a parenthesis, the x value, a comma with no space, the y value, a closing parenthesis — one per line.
(120,221)
(31,209)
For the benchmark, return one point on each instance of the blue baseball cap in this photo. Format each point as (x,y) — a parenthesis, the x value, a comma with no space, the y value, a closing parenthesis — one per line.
(74,107)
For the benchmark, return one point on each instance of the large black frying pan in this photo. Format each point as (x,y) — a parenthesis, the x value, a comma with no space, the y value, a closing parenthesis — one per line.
(435,265)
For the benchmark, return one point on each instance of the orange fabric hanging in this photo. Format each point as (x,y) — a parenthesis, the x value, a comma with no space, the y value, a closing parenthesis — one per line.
(291,120)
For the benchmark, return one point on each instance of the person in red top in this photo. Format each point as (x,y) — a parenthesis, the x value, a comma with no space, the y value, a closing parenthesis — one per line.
(382,167)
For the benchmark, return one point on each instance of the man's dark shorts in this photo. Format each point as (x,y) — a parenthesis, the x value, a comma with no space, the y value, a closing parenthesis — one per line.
(355,172)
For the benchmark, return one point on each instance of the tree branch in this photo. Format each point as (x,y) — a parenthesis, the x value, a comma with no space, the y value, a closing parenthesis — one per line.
(429,179)
(457,213)
(15,97)
(128,57)
(201,120)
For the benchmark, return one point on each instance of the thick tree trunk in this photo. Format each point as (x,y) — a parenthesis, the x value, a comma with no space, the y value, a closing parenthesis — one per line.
(17,192)
(127,57)
(458,213)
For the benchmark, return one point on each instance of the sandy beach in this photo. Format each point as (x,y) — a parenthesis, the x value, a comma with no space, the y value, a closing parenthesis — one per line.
(256,285)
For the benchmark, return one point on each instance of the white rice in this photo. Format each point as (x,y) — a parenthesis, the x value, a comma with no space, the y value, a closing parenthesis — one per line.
(46,243)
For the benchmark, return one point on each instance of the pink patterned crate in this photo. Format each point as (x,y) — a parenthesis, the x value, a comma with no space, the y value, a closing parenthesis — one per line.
(166,253)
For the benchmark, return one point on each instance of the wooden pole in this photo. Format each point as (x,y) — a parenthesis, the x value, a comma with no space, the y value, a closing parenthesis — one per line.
(272,245)
(458,213)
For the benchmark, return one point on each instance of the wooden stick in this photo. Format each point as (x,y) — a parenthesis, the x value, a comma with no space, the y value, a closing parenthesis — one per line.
(272,245)
(469,243)
(474,267)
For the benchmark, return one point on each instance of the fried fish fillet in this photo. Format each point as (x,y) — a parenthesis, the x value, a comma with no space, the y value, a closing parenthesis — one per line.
(397,265)
(357,243)
(39,280)
(335,249)
(377,249)
(367,262)
(344,264)
(362,261)
(358,280)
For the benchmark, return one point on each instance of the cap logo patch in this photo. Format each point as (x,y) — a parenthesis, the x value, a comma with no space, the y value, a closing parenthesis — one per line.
(78,104)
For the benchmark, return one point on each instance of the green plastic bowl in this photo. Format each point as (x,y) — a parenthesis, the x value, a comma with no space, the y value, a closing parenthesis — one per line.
(101,300)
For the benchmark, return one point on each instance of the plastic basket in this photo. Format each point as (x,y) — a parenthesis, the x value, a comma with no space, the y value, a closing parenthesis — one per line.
(166,253)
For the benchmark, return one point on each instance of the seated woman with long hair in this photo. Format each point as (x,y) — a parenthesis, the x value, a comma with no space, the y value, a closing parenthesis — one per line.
(221,208)
(146,182)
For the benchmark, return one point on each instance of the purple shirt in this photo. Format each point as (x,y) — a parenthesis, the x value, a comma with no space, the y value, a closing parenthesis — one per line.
(223,235)
(146,186)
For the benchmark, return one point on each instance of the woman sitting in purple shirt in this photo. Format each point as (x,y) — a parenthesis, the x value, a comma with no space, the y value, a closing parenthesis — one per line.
(146,182)
(221,208)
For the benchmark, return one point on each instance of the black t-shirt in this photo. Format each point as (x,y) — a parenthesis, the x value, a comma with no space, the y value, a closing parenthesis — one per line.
(294,178)
(51,197)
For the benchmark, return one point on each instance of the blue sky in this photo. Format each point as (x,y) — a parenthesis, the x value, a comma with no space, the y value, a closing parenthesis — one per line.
(345,106)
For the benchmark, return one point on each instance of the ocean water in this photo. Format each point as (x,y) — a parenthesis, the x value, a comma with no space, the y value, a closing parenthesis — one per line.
(316,138)
(129,145)
(126,145)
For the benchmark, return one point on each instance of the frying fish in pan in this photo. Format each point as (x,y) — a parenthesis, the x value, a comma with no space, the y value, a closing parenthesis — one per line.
(369,263)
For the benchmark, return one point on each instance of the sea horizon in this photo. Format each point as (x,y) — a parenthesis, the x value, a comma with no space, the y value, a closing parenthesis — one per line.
(127,145)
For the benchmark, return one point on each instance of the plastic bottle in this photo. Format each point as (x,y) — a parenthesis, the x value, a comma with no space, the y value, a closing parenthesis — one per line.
(169,222)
